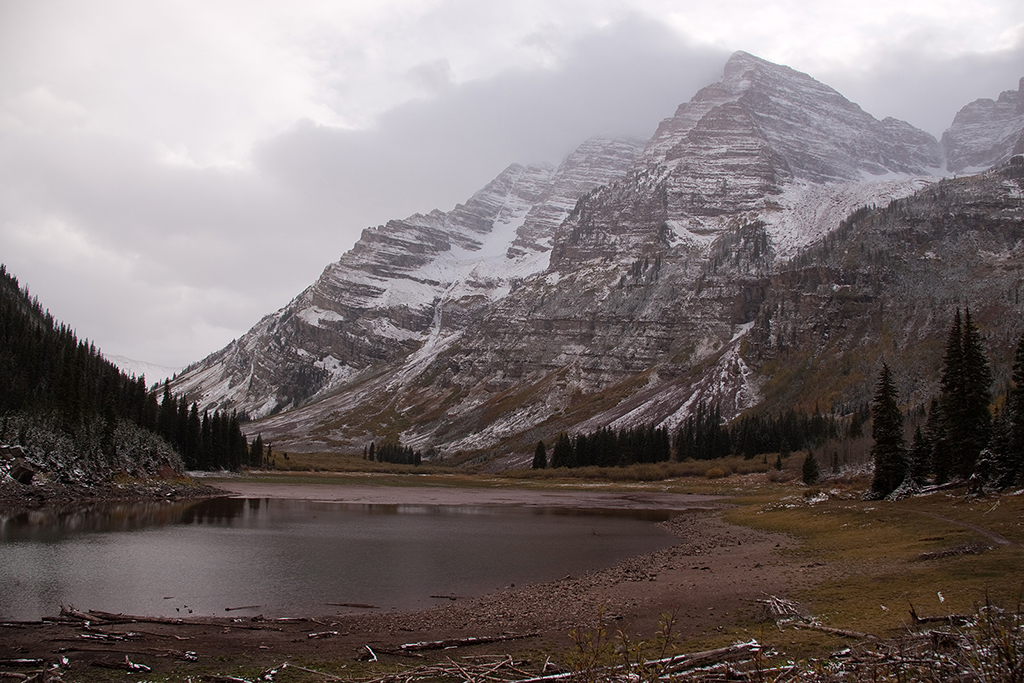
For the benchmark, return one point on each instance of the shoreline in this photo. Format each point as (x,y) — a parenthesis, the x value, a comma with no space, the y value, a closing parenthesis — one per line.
(452,496)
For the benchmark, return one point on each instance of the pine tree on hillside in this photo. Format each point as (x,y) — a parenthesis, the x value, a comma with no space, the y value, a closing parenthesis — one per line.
(888,450)
(540,456)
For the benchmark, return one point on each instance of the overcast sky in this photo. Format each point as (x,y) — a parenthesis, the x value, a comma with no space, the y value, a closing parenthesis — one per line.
(170,172)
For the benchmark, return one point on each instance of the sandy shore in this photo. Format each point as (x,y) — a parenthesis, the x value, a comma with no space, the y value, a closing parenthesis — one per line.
(712,576)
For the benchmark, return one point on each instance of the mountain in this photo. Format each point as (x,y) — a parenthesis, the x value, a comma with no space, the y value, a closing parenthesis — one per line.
(630,284)
(986,132)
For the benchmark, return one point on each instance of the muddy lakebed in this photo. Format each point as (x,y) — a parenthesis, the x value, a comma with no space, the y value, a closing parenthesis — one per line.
(316,549)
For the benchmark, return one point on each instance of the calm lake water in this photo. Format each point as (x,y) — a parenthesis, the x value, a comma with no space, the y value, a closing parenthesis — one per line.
(294,557)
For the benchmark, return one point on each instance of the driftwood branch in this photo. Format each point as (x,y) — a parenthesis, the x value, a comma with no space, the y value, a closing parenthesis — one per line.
(951,619)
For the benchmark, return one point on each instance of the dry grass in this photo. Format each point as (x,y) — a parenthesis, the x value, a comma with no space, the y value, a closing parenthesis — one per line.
(870,554)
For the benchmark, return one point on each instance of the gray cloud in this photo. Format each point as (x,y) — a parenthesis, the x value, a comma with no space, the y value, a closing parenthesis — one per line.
(435,152)
(926,91)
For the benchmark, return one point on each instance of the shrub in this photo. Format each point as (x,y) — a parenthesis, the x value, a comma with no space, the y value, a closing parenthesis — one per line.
(716,473)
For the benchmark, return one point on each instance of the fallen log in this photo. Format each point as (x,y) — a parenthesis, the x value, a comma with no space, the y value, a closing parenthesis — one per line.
(459,642)
(358,605)
(322,634)
(695,660)
(835,631)
(673,665)
(22,662)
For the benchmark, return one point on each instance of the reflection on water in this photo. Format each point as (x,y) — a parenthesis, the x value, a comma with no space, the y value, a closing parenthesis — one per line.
(295,556)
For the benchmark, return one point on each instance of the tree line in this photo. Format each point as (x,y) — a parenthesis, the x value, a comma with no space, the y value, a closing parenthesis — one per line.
(46,371)
(44,367)
(393,452)
(607,447)
(207,442)
(962,440)
(702,436)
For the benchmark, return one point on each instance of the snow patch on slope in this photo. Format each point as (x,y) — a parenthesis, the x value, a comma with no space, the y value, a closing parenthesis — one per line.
(805,212)
(137,368)
(314,315)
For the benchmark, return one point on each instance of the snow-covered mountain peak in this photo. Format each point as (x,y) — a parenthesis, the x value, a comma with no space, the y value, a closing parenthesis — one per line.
(799,127)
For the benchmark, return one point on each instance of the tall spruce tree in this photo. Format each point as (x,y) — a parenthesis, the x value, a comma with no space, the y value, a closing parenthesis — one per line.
(888,450)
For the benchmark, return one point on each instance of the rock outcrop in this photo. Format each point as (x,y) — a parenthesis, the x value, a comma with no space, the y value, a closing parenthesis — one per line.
(986,132)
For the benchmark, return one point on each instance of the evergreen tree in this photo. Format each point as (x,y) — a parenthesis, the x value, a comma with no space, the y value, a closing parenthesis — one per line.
(562,454)
(810,473)
(193,438)
(948,447)
(540,456)
(977,425)
(168,415)
(920,458)
(1015,415)
(256,451)
(966,384)
(997,468)
(888,450)
(206,450)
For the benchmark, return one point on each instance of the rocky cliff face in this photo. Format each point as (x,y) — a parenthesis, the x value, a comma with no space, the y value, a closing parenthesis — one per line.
(986,132)
(624,287)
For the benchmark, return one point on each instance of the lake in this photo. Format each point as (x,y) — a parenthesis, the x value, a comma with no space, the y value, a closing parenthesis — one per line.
(285,557)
